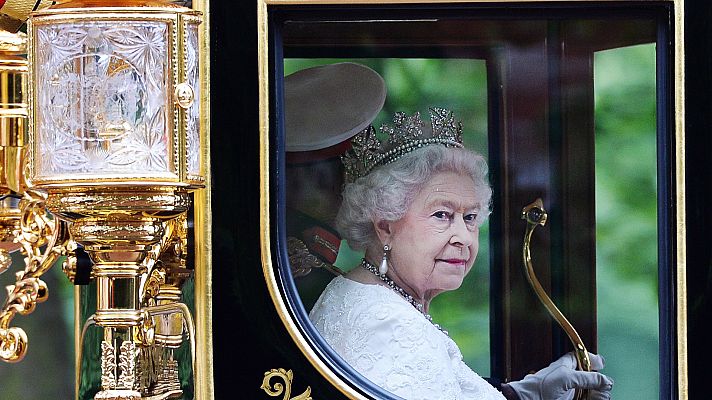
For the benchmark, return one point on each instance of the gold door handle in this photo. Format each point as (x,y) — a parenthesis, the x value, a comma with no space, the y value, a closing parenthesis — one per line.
(535,215)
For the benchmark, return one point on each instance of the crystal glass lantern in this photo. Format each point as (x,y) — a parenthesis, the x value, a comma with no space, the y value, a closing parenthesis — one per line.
(115,142)
(115,98)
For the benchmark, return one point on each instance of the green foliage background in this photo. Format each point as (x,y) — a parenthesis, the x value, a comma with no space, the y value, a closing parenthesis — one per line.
(626,219)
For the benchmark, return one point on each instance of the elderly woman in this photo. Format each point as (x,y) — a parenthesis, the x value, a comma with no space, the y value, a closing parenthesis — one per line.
(414,206)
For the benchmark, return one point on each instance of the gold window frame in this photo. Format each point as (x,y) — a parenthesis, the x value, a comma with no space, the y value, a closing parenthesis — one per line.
(268,266)
(204,383)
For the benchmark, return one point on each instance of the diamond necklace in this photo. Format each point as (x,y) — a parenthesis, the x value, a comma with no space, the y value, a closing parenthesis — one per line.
(388,281)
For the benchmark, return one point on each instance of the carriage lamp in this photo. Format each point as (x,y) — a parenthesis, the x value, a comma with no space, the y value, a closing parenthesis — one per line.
(115,144)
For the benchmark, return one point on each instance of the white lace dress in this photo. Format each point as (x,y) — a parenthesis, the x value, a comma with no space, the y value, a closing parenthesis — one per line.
(389,342)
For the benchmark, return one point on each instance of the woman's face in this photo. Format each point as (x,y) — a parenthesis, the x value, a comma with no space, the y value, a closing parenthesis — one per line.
(435,244)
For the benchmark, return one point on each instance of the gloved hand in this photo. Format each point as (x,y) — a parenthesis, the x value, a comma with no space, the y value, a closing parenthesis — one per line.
(560,378)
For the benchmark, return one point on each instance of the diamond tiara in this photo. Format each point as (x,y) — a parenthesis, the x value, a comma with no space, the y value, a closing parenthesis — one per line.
(408,133)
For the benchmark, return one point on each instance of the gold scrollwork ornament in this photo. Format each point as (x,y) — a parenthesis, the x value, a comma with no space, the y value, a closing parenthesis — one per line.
(5,260)
(278,388)
(13,344)
(37,230)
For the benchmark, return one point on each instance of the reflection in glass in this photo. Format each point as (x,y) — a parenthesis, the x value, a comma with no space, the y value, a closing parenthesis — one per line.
(414,85)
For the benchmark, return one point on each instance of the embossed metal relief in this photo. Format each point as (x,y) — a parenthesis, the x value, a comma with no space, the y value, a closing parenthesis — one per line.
(127,365)
(108,366)
(284,387)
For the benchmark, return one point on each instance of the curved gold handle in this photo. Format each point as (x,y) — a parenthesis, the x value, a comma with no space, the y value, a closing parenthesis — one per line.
(535,215)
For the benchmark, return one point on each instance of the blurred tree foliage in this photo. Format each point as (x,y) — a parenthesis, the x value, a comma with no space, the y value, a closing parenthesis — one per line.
(626,219)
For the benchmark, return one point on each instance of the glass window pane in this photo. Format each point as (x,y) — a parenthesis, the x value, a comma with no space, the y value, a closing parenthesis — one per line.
(413,85)
(626,219)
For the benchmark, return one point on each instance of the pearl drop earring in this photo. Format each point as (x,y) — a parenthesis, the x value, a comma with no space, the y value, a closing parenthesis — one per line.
(384,263)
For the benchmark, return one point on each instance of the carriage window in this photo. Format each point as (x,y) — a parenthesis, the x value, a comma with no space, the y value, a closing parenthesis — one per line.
(571,107)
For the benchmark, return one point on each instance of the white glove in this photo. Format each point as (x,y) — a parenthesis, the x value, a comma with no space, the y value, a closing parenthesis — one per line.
(559,380)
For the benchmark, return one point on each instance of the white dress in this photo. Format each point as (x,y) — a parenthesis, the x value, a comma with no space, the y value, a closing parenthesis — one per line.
(389,342)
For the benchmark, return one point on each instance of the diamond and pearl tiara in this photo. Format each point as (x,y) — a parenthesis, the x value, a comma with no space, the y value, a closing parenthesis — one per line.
(408,133)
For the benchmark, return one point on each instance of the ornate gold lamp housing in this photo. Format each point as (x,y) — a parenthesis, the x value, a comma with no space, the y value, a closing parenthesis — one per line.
(115,143)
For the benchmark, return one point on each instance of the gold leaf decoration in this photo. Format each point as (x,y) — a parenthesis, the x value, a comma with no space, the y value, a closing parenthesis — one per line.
(278,388)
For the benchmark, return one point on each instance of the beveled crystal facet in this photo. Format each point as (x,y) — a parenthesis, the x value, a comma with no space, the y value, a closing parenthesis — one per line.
(193,118)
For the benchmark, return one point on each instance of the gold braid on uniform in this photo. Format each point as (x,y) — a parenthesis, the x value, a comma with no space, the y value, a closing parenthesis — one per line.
(302,261)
